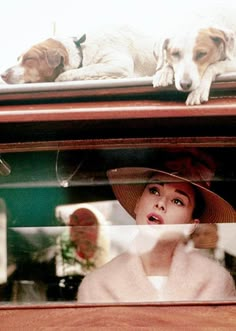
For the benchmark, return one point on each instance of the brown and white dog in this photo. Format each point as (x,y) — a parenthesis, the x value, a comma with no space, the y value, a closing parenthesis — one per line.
(193,59)
(112,53)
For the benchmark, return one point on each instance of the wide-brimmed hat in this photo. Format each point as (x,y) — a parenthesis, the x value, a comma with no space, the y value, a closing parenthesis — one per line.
(128,185)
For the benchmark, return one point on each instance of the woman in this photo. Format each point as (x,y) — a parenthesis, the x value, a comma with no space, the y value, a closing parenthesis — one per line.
(167,206)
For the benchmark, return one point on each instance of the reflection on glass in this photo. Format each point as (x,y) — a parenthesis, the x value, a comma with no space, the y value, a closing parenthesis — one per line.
(3,250)
(83,246)
(28,291)
(140,273)
(58,236)
(160,267)
(207,239)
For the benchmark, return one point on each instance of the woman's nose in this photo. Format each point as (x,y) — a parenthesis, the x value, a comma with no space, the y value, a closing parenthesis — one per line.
(161,204)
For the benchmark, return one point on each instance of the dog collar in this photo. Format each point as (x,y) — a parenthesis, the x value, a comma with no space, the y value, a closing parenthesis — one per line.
(78,43)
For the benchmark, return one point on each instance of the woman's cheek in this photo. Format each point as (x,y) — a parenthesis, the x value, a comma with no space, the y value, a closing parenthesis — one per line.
(136,209)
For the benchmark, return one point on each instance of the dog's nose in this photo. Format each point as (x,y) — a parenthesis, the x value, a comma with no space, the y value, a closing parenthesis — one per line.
(186,84)
(4,75)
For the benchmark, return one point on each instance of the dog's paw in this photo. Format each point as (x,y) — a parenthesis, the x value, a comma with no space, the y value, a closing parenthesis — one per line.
(63,77)
(68,76)
(197,97)
(163,77)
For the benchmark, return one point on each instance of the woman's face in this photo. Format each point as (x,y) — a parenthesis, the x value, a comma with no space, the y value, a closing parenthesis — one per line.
(166,203)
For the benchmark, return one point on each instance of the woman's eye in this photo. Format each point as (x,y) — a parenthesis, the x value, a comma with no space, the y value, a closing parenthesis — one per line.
(154,190)
(178,202)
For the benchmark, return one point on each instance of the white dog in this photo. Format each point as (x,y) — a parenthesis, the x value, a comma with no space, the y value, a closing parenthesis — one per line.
(195,47)
(112,53)
(193,59)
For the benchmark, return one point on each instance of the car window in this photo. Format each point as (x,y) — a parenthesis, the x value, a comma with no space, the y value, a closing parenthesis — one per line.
(44,194)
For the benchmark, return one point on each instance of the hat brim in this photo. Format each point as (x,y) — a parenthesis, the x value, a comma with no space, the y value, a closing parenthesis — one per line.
(128,184)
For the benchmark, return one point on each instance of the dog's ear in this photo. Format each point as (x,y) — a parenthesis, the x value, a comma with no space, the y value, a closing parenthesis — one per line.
(224,38)
(53,58)
(159,52)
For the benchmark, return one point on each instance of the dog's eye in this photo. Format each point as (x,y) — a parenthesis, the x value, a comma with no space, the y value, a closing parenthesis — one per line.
(175,54)
(28,59)
(200,55)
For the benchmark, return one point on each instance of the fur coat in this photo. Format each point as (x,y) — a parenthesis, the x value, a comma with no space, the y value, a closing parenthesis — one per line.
(191,277)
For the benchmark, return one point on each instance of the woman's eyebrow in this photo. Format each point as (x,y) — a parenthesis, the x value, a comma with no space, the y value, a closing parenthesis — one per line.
(183,193)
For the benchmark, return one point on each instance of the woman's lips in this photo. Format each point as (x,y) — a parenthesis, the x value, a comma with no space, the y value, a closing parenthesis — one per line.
(153,218)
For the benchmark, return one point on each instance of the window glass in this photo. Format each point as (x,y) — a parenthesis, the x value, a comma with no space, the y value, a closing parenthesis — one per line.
(46,252)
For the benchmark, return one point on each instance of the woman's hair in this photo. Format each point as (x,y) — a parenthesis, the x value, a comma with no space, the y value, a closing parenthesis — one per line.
(199,204)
